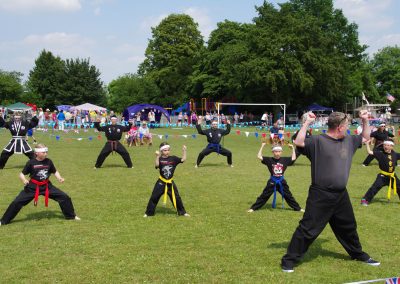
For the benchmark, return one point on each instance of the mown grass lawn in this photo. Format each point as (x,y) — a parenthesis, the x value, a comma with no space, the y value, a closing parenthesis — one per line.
(220,243)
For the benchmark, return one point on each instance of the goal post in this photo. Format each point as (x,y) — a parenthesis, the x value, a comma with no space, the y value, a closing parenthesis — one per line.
(283,106)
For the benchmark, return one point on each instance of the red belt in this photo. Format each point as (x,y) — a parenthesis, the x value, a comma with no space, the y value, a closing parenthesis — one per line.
(46,195)
(114,145)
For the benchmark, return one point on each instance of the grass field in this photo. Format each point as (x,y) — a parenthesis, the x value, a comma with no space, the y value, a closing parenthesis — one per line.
(220,243)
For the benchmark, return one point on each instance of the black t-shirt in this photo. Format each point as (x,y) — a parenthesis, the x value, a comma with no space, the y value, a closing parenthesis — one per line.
(214,135)
(331,159)
(380,136)
(168,165)
(277,166)
(39,170)
(308,134)
(387,162)
(112,132)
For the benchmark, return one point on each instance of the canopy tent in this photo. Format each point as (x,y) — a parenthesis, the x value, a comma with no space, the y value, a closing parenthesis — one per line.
(131,111)
(64,107)
(19,107)
(89,107)
(183,108)
(317,107)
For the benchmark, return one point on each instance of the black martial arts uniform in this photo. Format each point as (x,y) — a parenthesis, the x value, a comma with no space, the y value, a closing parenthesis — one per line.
(167,168)
(214,137)
(328,200)
(380,137)
(387,165)
(113,134)
(18,143)
(39,184)
(276,183)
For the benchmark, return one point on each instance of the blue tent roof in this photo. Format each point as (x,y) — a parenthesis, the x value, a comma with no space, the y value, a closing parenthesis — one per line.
(130,111)
(317,107)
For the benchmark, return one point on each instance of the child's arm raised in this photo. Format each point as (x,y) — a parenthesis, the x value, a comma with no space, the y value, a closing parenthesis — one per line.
(259,155)
(183,153)
(293,152)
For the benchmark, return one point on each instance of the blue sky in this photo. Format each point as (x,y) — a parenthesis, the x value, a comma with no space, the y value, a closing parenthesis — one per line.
(114,33)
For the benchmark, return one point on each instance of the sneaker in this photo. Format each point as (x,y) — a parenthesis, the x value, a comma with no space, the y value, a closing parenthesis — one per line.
(196,166)
(364,202)
(186,215)
(302,210)
(77,218)
(250,210)
(372,262)
(364,165)
(145,216)
(287,269)
(231,166)
(95,168)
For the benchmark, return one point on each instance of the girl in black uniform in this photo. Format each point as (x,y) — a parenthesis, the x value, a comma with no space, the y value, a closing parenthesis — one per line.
(39,170)
(387,164)
(277,183)
(165,184)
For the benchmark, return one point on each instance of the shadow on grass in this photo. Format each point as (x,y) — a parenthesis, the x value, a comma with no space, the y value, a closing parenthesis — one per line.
(383,200)
(161,209)
(111,166)
(314,251)
(42,215)
(203,165)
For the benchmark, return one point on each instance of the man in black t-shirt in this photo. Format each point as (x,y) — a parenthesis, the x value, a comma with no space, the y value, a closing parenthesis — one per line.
(387,164)
(276,166)
(328,200)
(379,135)
(165,184)
(214,136)
(39,170)
(113,133)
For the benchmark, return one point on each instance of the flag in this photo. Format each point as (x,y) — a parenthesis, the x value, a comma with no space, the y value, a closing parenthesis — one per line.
(364,98)
(394,280)
(389,97)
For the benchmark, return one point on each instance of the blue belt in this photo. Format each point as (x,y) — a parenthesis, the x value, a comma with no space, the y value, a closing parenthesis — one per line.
(213,146)
(278,182)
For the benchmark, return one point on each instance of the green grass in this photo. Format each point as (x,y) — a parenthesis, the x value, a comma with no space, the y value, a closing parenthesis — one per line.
(220,243)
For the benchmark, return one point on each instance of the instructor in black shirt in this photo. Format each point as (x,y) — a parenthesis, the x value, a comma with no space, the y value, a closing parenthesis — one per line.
(328,201)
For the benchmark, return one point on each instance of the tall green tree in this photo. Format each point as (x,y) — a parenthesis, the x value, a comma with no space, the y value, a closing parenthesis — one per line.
(83,83)
(132,89)
(172,52)
(11,88)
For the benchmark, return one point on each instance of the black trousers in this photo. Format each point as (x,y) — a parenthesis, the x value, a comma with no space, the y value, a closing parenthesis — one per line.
(107,149)
(158,191)
(208,151)
(27,195)
(6,155)
(381,181)
(325,207)
(269,190)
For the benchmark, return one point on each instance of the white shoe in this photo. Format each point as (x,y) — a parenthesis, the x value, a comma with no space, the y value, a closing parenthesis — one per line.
(145,216)
(250,211)
(186,215)
(302,210)
(231,166)
(196,166)
(77,218)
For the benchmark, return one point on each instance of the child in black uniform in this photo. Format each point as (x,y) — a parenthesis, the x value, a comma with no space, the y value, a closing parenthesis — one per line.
(39,169)
(387,164)
(165,184)
(276,166)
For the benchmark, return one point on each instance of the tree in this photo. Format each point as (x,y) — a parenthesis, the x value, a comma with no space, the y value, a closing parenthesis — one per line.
(47,79)
(10,87)
(386,68)
(170,56)
(132,89)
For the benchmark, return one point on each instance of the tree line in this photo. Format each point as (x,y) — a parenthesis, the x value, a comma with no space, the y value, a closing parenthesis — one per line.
(302,51)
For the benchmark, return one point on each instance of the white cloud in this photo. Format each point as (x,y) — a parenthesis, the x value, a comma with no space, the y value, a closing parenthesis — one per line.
(40,5)
(380,42)
(151,22)
(201,17)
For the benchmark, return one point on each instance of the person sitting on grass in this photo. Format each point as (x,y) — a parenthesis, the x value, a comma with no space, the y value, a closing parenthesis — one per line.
(165,184)
(277,183)
(39,169)
(387,164)
(144,133)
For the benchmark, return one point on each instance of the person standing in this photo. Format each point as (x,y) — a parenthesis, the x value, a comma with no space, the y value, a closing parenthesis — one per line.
(328,201)
(18,145)
(277,165)
(380,135)
(214,136)
(113,133)
(39,170)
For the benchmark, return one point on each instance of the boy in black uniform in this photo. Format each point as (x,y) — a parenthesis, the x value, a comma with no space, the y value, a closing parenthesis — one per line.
(18,144)
(113,133)
(379,135)
(387,164)
(165,184)
(39,169)
(214,136)
(328,201)
(277,166)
